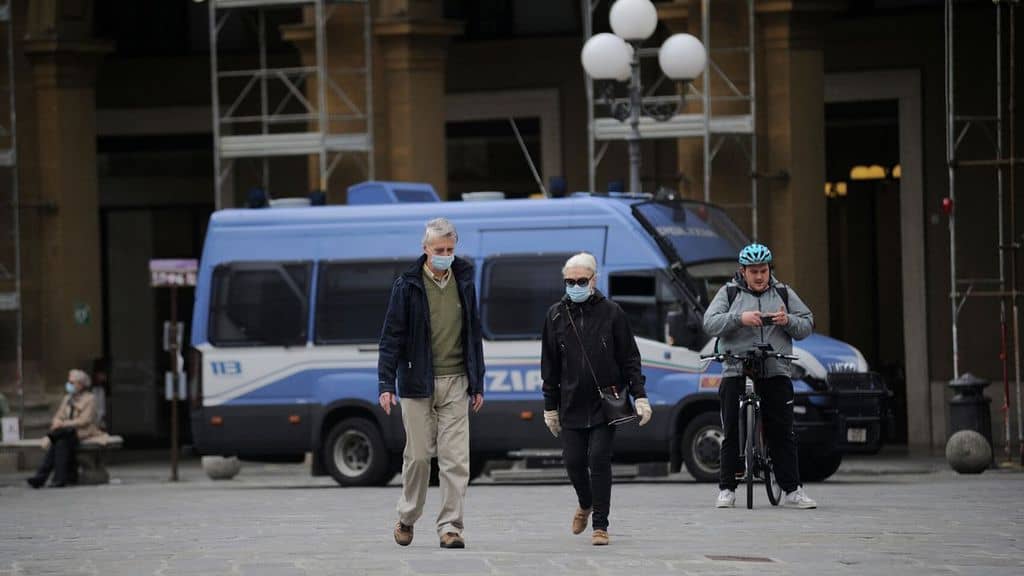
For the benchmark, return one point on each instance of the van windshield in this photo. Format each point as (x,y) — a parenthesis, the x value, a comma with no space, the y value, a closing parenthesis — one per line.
(698,232)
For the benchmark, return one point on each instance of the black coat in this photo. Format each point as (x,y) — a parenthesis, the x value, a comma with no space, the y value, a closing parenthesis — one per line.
(568,384)
(406,354)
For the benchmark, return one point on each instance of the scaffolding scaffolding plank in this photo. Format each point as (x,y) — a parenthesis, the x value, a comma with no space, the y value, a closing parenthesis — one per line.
(679,126)
(291,144)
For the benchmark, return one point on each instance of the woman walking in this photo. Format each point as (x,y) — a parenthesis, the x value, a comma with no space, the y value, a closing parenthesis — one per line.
(588,344)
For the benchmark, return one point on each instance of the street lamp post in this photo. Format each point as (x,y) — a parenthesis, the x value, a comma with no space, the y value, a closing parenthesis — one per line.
(616,57)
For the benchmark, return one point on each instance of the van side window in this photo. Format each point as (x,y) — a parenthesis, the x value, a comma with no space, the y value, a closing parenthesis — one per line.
(653,308)
(352,299)
(516,293)
(260,304)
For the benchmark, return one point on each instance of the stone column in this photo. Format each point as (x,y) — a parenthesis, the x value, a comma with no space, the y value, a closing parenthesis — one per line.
(63,59)
(409,53)
(413,53)
(792,126)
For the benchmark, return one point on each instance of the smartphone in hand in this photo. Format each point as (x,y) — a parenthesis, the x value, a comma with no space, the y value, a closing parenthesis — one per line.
(767,319)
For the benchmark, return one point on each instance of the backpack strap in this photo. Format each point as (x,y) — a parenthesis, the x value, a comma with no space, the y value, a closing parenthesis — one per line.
(783,292)
(731,291)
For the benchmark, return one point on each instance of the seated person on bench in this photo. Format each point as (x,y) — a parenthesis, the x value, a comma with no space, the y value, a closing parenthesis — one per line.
(75,420)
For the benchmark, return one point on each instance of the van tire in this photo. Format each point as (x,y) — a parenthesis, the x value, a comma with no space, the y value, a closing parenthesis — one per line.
(698,446)
(355,455)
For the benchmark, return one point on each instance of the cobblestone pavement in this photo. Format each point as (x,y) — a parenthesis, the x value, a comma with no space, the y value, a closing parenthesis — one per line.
(279,521)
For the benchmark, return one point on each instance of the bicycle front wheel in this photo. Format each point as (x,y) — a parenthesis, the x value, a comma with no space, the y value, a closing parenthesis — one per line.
(749,451)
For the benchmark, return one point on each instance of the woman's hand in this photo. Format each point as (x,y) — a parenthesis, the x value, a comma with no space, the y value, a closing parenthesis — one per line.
(643,408)
(552,422)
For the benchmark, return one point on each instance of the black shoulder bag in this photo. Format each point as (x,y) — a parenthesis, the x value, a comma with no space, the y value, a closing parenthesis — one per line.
(617,408)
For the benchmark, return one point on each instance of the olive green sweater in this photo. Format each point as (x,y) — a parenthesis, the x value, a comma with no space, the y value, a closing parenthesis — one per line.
(445,326)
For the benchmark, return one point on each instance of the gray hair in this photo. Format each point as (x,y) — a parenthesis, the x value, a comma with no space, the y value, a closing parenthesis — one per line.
(439,228)
(81,377)
(581,260)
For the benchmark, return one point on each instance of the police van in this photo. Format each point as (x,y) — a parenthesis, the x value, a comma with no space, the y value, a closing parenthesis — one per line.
(290,302)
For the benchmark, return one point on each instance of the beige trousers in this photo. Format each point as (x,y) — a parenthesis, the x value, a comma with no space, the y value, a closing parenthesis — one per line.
(436,426)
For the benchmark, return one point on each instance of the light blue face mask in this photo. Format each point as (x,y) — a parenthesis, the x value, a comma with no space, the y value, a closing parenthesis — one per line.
(69,387)
(442,262)
(578,293)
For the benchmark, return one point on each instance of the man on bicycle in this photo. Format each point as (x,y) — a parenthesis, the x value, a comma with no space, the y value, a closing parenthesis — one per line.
(750,310)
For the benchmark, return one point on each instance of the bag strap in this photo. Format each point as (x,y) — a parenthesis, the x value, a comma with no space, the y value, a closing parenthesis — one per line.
(586,356)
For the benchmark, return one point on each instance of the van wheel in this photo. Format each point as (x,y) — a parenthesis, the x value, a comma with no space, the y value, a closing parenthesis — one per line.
(354,454)
(702,446)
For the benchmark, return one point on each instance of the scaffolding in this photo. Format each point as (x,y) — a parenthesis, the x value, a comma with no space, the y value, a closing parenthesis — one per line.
(288,111)
(10,209)
(958,127)
(714,129)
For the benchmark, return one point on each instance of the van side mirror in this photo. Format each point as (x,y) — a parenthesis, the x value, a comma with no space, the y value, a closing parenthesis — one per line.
(685,328)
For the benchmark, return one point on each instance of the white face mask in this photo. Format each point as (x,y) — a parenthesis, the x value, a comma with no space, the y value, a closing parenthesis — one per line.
(69,387)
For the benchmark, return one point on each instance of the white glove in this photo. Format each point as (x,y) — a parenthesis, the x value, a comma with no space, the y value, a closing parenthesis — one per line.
(551,421)
(643,408)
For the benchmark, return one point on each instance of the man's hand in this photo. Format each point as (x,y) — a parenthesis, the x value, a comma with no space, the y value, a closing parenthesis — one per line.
(55,425)
(386,401)
(478,402)
(780,317)
(751,318)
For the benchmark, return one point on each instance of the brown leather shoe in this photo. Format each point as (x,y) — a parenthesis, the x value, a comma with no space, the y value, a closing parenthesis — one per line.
(403,534)
(452,540)
(599,538)
(579,520)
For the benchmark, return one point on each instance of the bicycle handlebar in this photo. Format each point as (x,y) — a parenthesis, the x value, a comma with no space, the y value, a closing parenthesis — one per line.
(750,356)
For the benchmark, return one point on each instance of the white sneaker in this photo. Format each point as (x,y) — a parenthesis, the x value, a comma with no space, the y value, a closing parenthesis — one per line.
(726,499)
(797,499)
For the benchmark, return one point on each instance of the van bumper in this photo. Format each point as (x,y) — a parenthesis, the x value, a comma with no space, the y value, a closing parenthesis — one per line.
(850,415)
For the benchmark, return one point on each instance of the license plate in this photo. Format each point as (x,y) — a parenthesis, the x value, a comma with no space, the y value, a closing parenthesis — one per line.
(857,435)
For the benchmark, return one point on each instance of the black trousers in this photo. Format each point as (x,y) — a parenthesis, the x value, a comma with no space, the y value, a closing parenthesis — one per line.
(588,460)
(61,458)
(777,417)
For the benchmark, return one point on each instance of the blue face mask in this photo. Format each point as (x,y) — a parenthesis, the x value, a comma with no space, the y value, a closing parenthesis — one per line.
(69,387)
(442,262)
(578,293)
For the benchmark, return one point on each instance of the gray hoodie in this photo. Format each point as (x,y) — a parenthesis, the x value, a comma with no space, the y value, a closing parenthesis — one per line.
(723,321)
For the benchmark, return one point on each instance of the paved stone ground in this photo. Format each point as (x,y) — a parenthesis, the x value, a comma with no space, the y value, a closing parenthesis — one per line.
(276,520)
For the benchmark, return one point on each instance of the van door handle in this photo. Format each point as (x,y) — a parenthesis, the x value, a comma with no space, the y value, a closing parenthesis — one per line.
(369,348)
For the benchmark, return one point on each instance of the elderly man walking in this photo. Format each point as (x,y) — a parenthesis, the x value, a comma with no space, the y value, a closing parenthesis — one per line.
(431,345)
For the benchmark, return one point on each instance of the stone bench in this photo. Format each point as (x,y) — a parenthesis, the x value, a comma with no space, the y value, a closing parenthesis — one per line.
(92,455)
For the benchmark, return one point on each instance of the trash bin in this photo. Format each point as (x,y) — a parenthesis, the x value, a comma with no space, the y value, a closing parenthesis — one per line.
(969,408)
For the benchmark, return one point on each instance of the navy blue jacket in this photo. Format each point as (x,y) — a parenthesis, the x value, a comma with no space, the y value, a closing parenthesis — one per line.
(405,347)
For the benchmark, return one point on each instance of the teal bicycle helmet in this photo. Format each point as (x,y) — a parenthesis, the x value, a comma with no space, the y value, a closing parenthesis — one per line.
(755,254)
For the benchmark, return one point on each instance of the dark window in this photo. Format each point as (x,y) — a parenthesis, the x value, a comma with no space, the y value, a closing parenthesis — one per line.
(352,299)
(260,304)
(654,309)
(517,291)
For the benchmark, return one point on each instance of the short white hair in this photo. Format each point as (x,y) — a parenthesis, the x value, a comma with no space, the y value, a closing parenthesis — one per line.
(439,228)
(581,260)
(81,377)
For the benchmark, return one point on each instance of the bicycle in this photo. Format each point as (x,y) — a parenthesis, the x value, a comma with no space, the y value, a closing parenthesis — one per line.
(757,460)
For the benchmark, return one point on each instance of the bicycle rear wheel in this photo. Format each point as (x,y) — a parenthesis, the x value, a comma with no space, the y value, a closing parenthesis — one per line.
(749,451)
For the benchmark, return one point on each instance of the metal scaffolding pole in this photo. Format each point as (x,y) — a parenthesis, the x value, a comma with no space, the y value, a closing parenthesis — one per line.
(951,174)
(11,161)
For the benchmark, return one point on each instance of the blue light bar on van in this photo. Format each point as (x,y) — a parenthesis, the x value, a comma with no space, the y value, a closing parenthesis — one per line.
(382,192)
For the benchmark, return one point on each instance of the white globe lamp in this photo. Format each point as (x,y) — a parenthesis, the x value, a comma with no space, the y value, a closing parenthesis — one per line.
(605,56)
(682,57)
(633,19)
